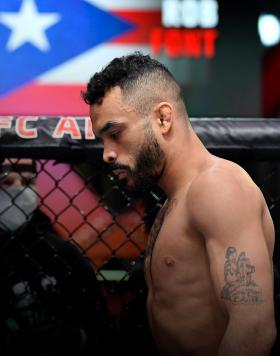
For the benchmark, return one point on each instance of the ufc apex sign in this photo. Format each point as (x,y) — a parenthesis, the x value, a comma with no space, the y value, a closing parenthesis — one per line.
(190,13)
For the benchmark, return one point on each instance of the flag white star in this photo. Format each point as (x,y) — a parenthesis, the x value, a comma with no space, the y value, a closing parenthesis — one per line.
(28,25)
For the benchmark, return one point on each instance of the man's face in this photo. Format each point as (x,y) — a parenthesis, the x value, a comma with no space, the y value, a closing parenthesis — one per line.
(130,144)
(18,199)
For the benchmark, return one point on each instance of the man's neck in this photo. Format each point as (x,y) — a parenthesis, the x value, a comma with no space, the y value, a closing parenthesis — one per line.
(188,159)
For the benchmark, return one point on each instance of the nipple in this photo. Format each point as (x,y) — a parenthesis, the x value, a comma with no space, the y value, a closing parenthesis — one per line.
(169,261)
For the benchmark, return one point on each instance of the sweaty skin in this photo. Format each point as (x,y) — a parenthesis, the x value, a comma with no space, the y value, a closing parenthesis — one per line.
(184,305)
(208,261)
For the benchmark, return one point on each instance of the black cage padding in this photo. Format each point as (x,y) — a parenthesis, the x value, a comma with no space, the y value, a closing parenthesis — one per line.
(240,139)
(234,138)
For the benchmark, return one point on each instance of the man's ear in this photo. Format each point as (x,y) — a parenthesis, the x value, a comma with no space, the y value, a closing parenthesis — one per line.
(164,114)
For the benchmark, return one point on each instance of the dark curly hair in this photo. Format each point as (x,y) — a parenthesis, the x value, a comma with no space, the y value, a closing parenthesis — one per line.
(144,81)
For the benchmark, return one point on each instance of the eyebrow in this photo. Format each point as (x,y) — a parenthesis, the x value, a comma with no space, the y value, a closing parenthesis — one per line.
(109,125)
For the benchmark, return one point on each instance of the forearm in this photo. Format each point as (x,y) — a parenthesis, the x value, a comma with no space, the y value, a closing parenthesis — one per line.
(247,341)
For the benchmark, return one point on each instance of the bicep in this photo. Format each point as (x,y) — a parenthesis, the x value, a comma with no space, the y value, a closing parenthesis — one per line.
(240,267)
(239,258)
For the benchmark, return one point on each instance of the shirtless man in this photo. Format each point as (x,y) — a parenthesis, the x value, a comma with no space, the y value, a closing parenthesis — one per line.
(213,229)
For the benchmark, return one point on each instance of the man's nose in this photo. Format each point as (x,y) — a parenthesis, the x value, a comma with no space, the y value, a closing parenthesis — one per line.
(109,156)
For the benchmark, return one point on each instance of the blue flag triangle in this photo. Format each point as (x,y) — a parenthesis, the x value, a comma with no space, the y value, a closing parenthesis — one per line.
(38,35)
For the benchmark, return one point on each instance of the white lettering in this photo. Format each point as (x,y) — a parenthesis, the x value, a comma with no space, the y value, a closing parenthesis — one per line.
(190,13)
(22,130)
(5,122)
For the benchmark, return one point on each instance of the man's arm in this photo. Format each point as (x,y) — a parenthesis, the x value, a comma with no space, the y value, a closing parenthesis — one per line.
(229,214)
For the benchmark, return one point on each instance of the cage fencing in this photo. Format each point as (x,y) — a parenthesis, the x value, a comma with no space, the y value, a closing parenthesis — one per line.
(72,240)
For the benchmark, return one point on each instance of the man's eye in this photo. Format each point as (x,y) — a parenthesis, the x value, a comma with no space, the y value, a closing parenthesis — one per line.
(114,135)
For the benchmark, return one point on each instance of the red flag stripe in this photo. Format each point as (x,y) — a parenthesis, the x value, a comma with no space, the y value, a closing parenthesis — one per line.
(144,21)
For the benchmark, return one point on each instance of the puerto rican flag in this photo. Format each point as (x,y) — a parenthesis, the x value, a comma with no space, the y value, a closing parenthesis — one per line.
(49,49)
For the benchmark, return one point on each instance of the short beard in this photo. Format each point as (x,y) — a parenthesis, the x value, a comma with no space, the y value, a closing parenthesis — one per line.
(150,157)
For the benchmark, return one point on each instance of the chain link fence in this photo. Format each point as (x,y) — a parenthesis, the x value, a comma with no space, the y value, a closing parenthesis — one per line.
(72,247)
(72,244)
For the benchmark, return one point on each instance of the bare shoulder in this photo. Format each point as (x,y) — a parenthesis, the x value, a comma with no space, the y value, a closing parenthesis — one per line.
(224,188)
(223,178)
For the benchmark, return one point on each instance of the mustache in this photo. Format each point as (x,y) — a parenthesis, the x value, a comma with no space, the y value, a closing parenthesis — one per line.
(114,166)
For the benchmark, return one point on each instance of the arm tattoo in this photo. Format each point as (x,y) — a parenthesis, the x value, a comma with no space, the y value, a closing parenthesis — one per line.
(240,287)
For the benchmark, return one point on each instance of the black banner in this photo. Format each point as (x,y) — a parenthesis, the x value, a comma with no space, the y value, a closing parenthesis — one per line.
(71,138)
(61,138)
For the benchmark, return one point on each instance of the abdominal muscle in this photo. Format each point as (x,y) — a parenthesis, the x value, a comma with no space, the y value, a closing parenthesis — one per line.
(183,310)
(185,324)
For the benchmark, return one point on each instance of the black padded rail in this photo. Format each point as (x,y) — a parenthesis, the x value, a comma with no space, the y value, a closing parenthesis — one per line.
(241,139)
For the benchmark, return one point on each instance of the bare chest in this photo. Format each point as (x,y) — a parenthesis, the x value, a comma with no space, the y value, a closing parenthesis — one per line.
(172,245)
(157,228)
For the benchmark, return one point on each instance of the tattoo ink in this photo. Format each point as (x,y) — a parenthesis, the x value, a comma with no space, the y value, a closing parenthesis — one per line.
(239,287)
(165,210)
